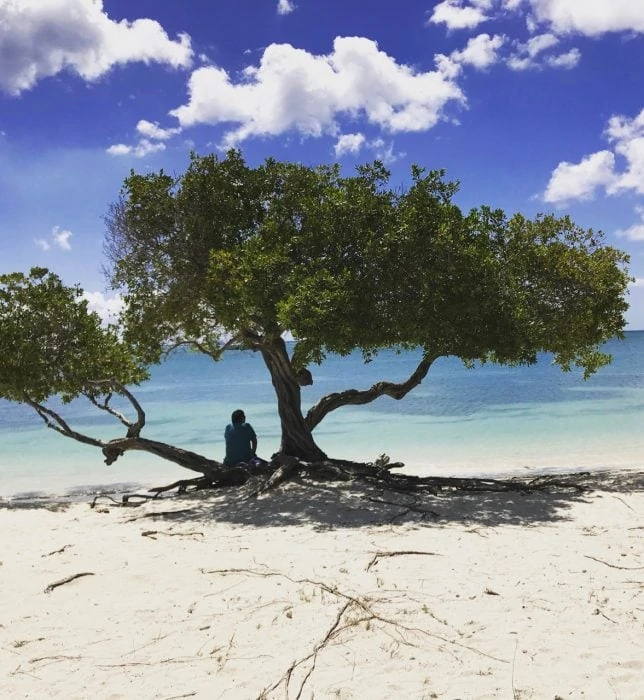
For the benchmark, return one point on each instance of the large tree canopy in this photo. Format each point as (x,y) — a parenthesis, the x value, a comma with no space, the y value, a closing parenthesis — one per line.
(343,263)
(227,253)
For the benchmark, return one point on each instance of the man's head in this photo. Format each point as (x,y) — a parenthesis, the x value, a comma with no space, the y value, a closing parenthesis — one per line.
(238,417)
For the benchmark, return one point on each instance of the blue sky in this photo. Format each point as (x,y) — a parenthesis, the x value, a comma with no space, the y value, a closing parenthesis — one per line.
(533,105)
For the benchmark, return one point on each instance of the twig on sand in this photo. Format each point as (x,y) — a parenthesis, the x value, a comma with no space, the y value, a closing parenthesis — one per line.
(599,612)
(367,615)
(161,514)
(67,579)
(515,692)
(382,555)
(151,534)
(409,508)
(614,566)
(623,501)
(58,551)
(333,631)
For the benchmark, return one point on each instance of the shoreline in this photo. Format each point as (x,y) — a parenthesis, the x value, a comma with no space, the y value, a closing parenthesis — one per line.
(328,591)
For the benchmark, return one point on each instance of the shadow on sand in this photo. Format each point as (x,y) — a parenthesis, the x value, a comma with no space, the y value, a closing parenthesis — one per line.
(325,505)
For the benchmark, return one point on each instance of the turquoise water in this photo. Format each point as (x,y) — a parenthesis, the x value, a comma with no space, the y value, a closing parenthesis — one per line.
(488,420)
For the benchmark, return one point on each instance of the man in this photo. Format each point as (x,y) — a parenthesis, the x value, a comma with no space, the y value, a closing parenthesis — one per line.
(241,441)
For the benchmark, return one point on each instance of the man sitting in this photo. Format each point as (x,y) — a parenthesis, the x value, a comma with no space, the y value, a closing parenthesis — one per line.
(241,441)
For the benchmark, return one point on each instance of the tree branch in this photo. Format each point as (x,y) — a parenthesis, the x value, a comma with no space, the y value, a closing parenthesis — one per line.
(184,458)
(104,406)
(134,428)
(354,397)
(55,422)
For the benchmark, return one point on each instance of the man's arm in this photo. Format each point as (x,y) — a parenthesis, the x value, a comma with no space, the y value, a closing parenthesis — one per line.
(253,439)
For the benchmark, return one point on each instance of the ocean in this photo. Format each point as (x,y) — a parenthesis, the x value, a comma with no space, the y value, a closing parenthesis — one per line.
(489,420)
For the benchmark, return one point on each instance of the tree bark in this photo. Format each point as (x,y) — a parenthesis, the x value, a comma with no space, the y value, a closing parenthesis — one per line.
(354,397)
(297,438)
(184,458)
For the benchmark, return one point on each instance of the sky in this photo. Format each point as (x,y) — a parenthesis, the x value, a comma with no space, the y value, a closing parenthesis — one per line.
(532,105)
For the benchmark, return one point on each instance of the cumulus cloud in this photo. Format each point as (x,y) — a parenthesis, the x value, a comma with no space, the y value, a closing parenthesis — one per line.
(567,60)
(285,7)
(455,14)
(108,308)
(41,38)
(526,54)
(627,135)
(348,143)
(481,51)
(581,180)
(592,17)
(384,151)
(292,89)
(60,238)
(636,231)
(143,148)
(152,130)
(561,17)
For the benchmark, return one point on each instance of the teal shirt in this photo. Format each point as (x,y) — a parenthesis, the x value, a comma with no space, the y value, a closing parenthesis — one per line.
(239,440)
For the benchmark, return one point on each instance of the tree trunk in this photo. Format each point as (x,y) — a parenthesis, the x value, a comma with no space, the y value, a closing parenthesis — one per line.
(297,438)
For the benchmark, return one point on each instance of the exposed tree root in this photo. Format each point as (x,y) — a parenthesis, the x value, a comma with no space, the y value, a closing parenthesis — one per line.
(261,480)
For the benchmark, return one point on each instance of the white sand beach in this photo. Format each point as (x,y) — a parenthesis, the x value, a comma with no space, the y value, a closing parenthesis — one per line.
(328,592)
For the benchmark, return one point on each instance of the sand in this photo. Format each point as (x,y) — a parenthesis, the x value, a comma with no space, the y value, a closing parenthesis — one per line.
(328,592)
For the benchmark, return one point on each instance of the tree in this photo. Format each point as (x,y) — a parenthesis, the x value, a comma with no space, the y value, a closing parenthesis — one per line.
(230,254)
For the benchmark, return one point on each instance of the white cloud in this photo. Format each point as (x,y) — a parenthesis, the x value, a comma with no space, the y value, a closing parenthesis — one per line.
(285,7)
(621,128)
(108,308)
(142,149)
(525,55)
(566,60)
(40,38)
(481,51)
(59,238)
(152,130)
(590,17)
(454,15)
(560,17)
(348,143)
(627,135)
(292,89)
(580,181)
(385,151)
(634,233)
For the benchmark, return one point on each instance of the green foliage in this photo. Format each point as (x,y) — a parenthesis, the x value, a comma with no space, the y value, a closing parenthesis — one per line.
(349,263)
(51,345)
